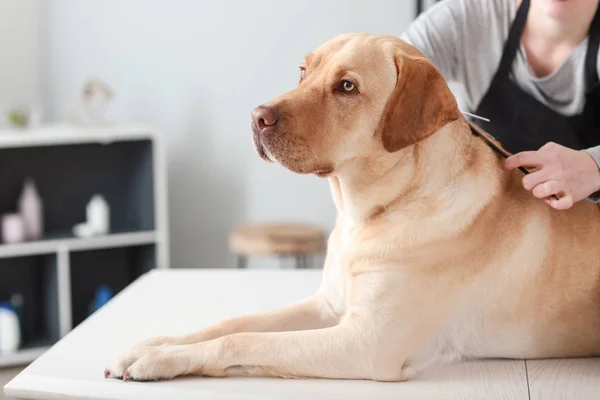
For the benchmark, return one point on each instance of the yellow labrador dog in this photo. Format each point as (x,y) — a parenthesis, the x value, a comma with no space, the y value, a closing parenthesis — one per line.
(438,253)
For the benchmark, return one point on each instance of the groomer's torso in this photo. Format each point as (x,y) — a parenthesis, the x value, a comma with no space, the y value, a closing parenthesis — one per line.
(465,40)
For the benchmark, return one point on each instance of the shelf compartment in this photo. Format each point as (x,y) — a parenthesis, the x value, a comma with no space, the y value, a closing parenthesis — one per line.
(23,356)
(35,278)
(67,176)
(116,268)
(52,245)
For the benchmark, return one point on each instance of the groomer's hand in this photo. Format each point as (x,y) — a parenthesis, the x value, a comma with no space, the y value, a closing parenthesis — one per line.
(569,174)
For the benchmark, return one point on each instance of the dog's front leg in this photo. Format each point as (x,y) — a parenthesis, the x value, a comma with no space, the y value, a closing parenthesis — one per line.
(339,352)
(314,312)
(369,342)
(311,313)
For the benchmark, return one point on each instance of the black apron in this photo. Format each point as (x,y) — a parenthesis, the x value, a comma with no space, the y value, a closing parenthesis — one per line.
(520,122)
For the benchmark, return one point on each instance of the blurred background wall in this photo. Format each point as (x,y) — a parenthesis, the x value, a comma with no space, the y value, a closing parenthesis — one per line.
(22,41)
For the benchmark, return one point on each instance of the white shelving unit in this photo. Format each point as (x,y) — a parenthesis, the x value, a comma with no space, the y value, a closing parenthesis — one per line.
(58,275)
(77,244)
(21,357)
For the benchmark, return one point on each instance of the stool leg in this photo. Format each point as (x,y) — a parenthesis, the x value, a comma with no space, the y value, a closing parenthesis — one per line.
(282,261)
(301,261)
(242,262)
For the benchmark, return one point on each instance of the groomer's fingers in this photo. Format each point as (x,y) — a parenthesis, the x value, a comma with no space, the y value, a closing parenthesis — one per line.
(563,203)
(548,188)
(525,159)
(534,179)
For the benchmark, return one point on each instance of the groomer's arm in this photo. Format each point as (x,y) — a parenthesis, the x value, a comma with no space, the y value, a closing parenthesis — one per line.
(573,175)
(435,34)
(455,36)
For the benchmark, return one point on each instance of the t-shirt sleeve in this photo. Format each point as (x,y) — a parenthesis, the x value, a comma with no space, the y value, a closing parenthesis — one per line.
(464,40)
(435,34)
(594,152)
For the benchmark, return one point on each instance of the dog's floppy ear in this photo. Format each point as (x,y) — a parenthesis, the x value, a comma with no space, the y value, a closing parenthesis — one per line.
(419,106)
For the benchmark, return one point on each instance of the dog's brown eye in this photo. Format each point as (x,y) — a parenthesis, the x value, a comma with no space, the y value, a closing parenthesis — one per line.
(302,72)
(348,87)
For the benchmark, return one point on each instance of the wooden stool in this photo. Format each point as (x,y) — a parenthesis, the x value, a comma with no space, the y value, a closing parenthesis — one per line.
(283,240)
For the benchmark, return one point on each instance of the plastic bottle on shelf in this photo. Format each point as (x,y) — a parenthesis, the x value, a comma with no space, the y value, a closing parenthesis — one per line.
(102,296)
(98,215)
(10,331)
(13,228)
(97,221)
(31,210)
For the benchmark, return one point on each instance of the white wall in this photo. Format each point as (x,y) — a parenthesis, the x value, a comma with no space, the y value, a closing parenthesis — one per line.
(195,69)
(20,54)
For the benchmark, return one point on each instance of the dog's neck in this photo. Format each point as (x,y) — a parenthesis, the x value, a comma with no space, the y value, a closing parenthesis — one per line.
(416,178)
(365,186)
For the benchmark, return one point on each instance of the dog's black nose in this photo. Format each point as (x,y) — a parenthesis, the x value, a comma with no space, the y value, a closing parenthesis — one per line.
(265,119)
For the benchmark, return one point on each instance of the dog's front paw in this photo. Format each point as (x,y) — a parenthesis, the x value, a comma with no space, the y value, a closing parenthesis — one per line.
(149,363)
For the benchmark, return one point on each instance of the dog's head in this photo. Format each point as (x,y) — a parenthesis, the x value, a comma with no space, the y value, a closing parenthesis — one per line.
(359,95)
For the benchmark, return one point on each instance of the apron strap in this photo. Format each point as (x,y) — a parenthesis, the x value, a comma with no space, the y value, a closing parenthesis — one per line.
(513,41)
(591,57)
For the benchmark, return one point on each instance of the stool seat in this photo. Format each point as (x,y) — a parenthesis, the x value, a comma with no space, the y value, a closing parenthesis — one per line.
(277,239)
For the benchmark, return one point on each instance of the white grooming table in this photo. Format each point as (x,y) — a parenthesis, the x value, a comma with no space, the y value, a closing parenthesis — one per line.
(166,302)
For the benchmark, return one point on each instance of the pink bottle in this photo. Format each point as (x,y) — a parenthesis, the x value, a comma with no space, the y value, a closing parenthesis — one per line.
(31,209)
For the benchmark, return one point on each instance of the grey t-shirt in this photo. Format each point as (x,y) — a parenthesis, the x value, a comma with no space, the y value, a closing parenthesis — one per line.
(464,39)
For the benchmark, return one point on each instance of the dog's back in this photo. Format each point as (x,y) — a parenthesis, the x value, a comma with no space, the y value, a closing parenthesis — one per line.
(537,293)
(563,297)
